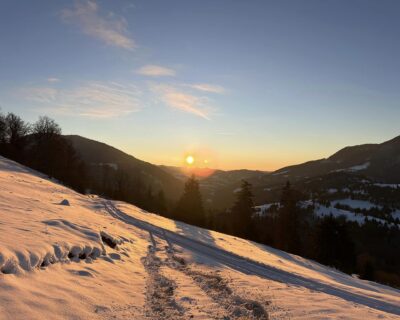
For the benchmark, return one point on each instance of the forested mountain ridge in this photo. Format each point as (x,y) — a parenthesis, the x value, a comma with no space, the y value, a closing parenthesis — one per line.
(100,155)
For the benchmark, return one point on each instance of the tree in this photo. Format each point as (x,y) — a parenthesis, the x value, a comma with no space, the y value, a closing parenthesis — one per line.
(47,146)
(3,129)
(3,132)
(190,206)
(49,152)
(242,211)
(15,132)
(46,128)
(287,237)
(16,128)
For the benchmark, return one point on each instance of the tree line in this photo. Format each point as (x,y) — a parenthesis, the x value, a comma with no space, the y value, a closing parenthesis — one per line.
(41,146)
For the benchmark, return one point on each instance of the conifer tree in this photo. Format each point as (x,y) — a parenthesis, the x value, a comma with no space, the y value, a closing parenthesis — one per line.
(242,211)
(190,206)
(287,237)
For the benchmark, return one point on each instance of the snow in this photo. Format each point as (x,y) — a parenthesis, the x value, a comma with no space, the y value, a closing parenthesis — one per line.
(356,168)
(98,259)
(361,192)
(280,173)
(113,166)
(396,214)
(323,211)
(332,190)
(262,209)
(359,167)
(387,185)
(237,190)
(356,204)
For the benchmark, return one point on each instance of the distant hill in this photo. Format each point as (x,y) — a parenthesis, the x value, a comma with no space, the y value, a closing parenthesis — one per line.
(376,161)
(95,153)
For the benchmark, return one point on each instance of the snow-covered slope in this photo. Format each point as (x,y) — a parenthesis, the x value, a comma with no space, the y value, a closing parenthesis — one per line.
(68,256)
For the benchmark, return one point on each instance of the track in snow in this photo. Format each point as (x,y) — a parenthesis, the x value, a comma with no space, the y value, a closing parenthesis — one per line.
(248,266)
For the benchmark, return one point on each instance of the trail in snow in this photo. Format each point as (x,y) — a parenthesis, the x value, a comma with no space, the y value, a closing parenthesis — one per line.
(160,300)
(176,291)
(248,266)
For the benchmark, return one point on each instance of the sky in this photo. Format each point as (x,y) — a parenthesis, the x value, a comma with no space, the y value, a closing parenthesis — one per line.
(236,84)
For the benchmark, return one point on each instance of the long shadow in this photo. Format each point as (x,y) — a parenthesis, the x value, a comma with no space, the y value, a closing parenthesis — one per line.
(201,235)
(250,267)
(299,281)
(331,273)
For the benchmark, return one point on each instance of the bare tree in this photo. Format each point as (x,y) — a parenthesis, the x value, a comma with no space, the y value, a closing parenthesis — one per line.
(3,129)
(16,128)
(46,127)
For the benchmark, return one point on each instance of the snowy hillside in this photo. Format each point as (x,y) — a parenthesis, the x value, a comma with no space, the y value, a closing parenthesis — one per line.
(68,256)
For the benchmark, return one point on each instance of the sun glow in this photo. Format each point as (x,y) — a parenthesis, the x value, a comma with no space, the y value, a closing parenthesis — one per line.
(189,160)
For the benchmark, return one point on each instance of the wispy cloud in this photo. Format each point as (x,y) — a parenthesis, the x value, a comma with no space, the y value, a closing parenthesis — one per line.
(111,28)
(207,88)
(53,80)
(40,94)
(184,101)
(152,70)
(93,100)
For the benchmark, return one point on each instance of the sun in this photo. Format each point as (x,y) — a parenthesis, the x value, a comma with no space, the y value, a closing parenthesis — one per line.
(189,160)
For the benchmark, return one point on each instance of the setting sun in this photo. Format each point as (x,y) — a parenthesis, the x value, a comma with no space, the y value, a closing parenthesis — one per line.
(189,160)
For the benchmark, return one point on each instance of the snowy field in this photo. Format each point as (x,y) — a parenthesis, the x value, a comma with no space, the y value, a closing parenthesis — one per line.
(68,256)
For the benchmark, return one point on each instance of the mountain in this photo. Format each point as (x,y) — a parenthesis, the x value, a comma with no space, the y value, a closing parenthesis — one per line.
(64,255)
(97,154)
(380,162)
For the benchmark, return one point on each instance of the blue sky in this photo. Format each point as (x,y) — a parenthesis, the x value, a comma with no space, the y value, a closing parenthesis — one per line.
(241,84)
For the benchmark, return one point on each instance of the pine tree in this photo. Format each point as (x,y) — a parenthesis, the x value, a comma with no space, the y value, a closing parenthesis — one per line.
(287,237)
(242,211)
(190,206)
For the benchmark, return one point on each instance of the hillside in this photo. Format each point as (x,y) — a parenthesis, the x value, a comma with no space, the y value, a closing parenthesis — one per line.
(376,161)
(64,255)
(97,155)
